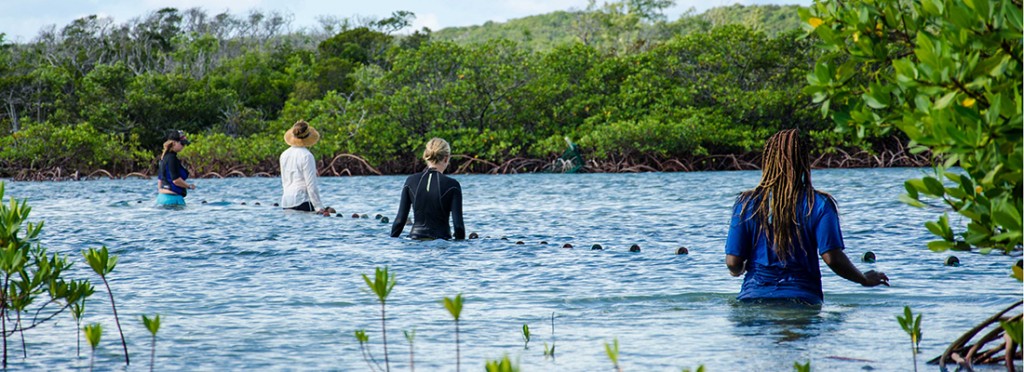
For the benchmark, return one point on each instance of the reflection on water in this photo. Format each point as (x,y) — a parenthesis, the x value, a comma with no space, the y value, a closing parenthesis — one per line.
(786,320)
(252,287)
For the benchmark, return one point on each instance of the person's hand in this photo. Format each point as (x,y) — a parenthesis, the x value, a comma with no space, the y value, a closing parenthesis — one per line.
(191,186)
(873,278)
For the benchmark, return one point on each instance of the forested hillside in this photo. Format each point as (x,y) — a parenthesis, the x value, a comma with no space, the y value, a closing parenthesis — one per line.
(633,90)
(544,31)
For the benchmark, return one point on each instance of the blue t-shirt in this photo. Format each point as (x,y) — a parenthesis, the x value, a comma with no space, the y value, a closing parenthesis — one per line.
(799,277)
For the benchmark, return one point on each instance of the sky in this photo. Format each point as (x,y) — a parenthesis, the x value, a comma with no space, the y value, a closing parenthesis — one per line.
(21,20)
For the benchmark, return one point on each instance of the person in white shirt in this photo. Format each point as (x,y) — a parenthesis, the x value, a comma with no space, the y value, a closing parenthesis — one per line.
(298,171)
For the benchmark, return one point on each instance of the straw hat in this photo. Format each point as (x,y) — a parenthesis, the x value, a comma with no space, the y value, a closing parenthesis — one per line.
(301,134)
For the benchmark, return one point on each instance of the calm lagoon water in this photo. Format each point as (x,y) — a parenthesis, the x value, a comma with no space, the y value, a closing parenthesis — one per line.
(247,287)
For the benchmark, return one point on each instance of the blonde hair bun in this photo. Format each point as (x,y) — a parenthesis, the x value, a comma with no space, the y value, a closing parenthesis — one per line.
(437,150)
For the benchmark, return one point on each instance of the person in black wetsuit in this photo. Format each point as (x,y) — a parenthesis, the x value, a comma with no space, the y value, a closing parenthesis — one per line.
(171,175)
(432,197)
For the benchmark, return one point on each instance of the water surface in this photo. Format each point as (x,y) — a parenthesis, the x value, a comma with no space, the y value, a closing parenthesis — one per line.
(242,287)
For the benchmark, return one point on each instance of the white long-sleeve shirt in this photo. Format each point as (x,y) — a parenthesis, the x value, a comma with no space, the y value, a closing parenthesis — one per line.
(299,179)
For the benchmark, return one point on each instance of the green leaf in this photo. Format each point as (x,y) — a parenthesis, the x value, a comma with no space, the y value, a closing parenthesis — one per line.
(944,102)
(152,324)
(1007,216)
(911,201)
(933,186)
(939,245)
(454,306)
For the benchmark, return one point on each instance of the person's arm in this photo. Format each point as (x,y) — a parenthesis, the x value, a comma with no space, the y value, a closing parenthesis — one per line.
(841,265)
(736,265)
(829,238)
(737,243)
(182,184)
(403,213)
(175,174)
(312,188)
(458,224)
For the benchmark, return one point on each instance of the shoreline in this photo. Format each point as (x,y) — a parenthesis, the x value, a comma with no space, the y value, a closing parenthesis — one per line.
(352,165)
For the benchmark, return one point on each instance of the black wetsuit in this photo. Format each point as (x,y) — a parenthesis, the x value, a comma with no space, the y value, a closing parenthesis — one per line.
(433,197)
(169,170)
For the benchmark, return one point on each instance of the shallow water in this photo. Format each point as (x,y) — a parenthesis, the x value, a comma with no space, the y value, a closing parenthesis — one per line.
(243,287)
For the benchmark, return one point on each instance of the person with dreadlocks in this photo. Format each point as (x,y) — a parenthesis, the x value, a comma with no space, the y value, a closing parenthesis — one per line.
(779,229)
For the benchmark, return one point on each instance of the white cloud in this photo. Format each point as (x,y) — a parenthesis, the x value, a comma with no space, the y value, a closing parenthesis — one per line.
(211,5)
(428,20)
(529,7)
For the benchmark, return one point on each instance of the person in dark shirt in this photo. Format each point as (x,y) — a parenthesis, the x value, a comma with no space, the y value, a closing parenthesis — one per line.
(432,197)
(171,176)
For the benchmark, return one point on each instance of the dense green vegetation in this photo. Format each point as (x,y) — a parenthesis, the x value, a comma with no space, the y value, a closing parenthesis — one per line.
(948,74)
(625,84)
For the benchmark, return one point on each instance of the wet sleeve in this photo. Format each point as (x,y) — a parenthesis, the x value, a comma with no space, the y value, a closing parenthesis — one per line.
(458,224)
(827,233)
(737,243)
(403,213)
(312,184)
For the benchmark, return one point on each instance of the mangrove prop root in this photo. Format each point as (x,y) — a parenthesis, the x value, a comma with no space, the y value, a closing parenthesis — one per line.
(894,154)
(362,162)
(966,355)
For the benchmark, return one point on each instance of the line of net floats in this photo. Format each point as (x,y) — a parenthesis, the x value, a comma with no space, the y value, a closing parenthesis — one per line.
(868,257)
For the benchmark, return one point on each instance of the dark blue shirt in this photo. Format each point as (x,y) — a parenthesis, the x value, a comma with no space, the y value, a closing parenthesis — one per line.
(797,277)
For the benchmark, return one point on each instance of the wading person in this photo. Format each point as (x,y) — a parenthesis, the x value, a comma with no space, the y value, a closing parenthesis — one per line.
(779,229)
(171,185)
(433,197)
(298,171)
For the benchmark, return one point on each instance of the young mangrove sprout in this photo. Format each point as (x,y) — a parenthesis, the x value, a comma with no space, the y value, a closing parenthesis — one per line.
(454,307)
(103,264)
(526,337)
(699,368)
(93,332)
(613,353)
(153,325)
(550,352)
(806,367)
(381,285)
(411,336)
(364,349)
(77,311)
(501,365)
(26,272)
(913,328)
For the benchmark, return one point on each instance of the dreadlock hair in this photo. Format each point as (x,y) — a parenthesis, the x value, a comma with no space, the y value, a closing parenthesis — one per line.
(785,175)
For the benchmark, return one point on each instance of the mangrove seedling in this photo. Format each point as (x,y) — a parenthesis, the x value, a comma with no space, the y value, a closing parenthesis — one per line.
(77,310)
(454,307)
(501,365)
(699,368)
(93,332)
(103,264)
(550,352)
(613,353)
(153,325)
(381,285)
(526,337)
(27,271)
(806,367)
(913,328)
(363,341)
(410,336)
